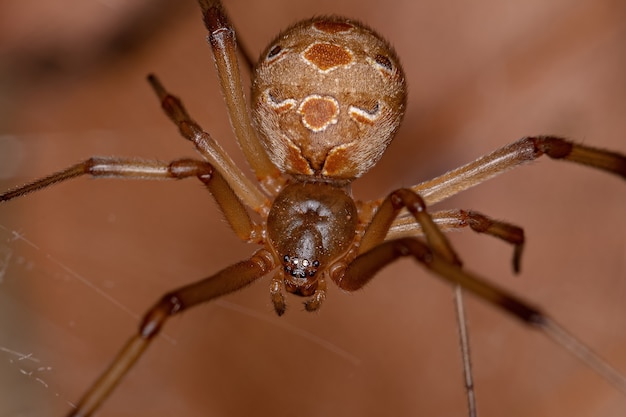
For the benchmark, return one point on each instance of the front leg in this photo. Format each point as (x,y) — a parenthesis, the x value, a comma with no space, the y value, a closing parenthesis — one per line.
(388,211)
(516,154)
(224,47)
(100,167)
(208,147)
(224,282)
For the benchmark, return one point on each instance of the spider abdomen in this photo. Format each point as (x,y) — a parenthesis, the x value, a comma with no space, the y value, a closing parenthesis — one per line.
(328,96)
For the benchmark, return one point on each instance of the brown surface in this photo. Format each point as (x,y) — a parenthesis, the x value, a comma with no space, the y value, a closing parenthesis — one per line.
(480,76)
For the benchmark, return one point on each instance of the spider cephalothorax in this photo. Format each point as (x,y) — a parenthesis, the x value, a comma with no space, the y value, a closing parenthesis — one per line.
(321,220)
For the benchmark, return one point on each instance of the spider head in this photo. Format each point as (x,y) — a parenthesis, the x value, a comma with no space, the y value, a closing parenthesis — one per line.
(300,275)
(304,254)
(328,96)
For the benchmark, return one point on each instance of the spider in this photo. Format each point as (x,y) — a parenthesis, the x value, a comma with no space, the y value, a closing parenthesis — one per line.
(319,297)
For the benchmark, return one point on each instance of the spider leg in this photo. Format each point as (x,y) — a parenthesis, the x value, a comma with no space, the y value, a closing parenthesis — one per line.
(364,268)
(405,226)
(228,280)
(208,147)
(513,155)
(318,297)
(388,211)
(466,357)
(277,286)
(224,47)
(378,230)
(230,205)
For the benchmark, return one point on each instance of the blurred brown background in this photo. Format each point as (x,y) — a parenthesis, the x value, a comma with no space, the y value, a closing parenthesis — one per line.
(93,255)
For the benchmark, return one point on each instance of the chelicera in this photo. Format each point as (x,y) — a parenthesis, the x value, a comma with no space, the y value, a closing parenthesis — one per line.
(328,96)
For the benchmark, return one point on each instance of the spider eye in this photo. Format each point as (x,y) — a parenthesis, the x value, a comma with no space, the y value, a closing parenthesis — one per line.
(300,268)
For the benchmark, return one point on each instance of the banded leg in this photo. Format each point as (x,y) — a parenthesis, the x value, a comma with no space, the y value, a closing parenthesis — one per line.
(406,226)
(227,281)
(379,229)
(513,155)
(99,167)
(224,47)
(209,148)
(389,210)
(368,264)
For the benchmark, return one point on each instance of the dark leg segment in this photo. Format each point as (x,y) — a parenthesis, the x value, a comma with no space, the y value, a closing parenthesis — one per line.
(501,230)
(228,280)
(367,265)
(457,219)
(208,147)
(378,229)
(558,148)
(382,221)
(511,156)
